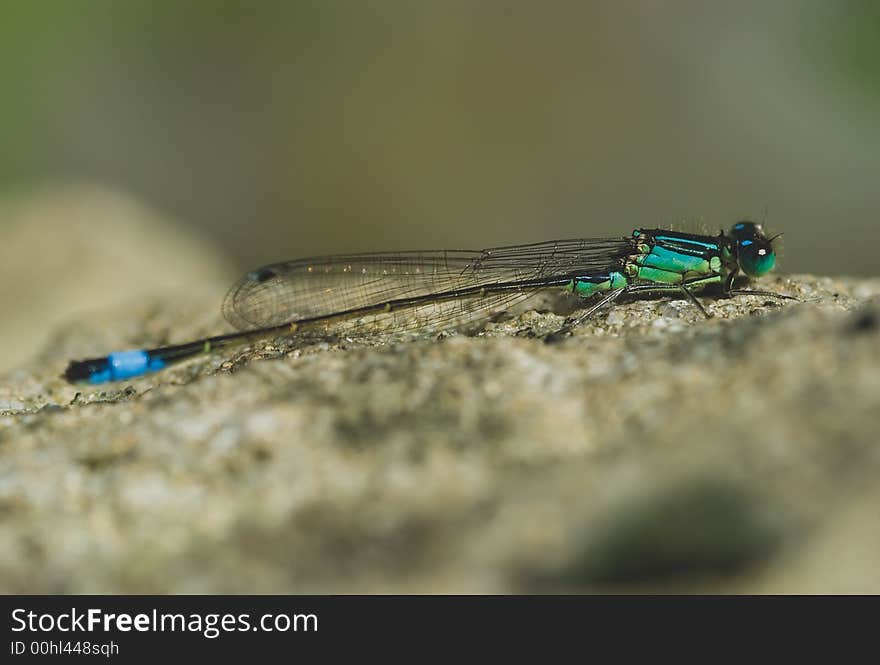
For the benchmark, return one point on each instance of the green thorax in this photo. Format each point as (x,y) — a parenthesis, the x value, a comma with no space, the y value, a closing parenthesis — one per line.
(669,257)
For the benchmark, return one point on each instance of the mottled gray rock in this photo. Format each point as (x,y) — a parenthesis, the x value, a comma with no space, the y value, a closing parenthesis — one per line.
(651,450)
(68,250)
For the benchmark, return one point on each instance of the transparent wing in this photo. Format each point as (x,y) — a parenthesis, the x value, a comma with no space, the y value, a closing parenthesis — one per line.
(438,289)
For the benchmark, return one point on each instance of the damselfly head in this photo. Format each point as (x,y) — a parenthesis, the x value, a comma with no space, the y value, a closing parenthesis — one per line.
(756,257)
(746,230)
(754,251)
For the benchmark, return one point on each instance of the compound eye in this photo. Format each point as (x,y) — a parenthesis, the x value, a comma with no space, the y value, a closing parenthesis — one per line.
(756,257)
(747,230)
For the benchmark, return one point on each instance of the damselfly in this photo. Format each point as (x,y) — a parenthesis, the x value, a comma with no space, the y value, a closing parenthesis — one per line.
(359,295)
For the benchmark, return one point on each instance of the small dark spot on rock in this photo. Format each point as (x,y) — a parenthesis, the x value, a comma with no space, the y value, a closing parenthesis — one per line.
(865,321)
(698,527)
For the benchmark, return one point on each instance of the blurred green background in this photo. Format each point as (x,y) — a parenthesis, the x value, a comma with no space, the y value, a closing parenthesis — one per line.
(281,129)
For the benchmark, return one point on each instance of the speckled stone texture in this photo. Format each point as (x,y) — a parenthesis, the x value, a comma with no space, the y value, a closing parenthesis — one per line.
(652,450)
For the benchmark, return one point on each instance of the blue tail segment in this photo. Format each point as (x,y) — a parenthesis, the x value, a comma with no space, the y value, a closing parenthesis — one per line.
(115,367)
(132,364)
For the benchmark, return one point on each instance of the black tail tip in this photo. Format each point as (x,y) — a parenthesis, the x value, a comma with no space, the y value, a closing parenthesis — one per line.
(81,371)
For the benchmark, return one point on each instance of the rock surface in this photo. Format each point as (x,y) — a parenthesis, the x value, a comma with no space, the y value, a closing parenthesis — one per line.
(651,450)
(70,249)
